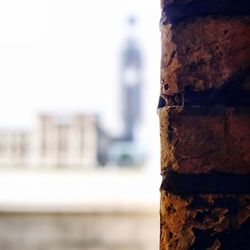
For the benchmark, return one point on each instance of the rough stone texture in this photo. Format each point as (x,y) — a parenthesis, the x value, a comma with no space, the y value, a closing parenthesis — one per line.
(201,139)
(205,222)
(204,111)
(204,53)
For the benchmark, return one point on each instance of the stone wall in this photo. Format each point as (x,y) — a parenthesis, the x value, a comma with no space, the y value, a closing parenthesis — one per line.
(204,112)
(78,231)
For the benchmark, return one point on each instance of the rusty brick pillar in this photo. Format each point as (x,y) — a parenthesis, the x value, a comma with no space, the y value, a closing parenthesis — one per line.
(204,114)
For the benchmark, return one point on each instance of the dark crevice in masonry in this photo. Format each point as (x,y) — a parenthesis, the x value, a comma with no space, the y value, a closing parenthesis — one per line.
(203,239)
(212,111)
(231,205)
(230,239)
(171,101)
(211,183)
(161,103)
(232,94)
(228,97)
(230,202)
(176,12)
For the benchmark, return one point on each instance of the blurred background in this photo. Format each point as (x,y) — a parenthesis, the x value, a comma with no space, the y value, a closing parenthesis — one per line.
(79,136)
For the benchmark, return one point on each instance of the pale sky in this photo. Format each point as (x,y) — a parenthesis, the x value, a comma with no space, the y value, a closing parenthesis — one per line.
(62,56)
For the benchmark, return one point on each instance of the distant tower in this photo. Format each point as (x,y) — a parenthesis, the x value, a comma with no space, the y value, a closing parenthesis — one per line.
(131,80)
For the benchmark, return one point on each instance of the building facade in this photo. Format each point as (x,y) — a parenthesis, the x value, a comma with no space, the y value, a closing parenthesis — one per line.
(14,147)
(57,141)
(66,141)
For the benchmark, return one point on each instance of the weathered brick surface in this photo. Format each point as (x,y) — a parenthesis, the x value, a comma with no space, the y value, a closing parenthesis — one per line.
(205,222)
(204,114)
(204,53)
(200,139)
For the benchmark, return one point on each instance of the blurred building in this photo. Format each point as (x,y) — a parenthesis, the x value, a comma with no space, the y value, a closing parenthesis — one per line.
(80,140)
(57,141)
(131,83)
(14,146)
(127,150)
(66,140)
